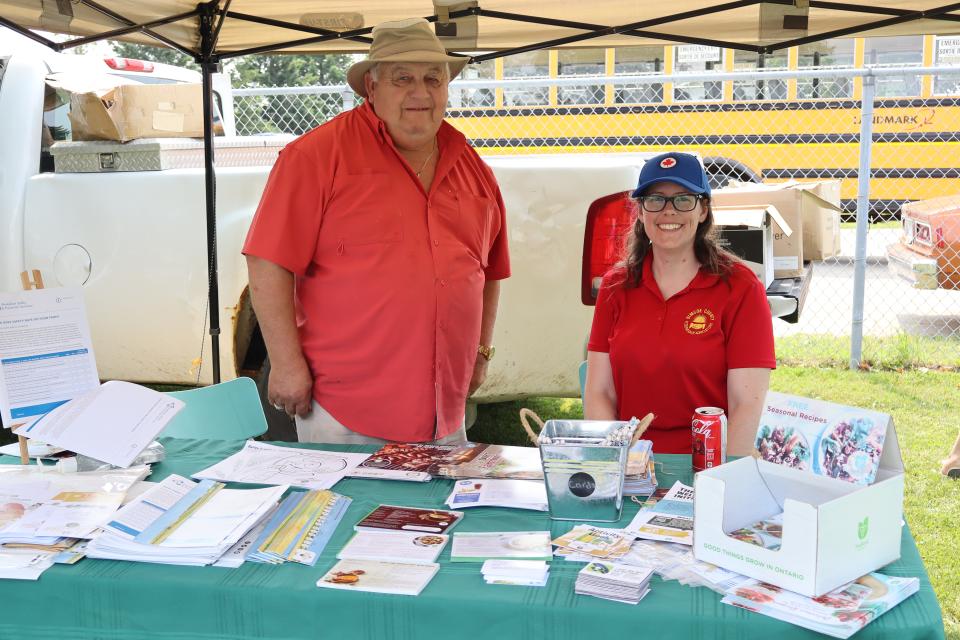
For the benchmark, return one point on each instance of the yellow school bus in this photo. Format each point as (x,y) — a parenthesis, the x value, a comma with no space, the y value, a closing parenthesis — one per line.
(803,127)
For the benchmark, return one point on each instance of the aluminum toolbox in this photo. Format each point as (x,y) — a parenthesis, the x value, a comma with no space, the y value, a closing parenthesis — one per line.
(155,154)
(583,475)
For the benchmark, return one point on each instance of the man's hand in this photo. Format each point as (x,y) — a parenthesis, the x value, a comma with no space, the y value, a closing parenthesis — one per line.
(291,387)
(479,374)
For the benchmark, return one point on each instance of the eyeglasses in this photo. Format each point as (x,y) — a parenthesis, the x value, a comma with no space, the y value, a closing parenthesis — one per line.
(681,202)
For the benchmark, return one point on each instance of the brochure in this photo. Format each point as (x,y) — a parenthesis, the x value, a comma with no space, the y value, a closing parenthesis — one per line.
(517,545)
(379,577)
(300,528)
(493,461)
(182,522)
(766,533)
(394,546)
(392,518)
(668,520)
(261,463)
(825,438)
(402,461)
(840,613)
(113,422)
(23,564)
(516,494)
(596,542)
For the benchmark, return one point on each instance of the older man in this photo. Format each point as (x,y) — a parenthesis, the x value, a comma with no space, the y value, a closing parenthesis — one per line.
(375,257)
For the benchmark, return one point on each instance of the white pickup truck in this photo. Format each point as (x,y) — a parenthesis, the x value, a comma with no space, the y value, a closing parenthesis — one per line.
(135,242)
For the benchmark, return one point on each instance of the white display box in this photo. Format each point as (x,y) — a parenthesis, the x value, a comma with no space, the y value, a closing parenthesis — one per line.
(834,531)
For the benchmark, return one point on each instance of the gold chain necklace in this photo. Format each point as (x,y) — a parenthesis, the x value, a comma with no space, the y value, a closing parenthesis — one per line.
(432,151)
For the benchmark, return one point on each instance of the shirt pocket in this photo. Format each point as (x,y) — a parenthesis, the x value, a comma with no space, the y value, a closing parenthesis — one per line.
(468,224)
(365,215)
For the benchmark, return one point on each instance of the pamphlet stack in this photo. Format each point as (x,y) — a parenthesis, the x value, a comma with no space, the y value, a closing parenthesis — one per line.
(611,581)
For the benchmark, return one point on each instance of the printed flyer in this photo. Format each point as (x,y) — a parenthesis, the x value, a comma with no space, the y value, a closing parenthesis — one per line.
(827,439)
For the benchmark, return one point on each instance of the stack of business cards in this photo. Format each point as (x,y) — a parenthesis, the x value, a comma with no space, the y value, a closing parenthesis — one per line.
(612,581)
(528,573)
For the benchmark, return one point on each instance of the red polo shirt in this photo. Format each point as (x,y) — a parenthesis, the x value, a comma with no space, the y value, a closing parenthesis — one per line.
(389,279)
(672,356)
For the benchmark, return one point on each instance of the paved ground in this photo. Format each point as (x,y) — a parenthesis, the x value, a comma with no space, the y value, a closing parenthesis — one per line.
(891,305)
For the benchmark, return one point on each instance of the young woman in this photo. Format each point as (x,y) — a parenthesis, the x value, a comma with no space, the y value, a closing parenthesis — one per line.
(680,323)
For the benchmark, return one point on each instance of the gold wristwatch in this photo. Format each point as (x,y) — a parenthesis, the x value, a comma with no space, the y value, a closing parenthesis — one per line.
(486,352)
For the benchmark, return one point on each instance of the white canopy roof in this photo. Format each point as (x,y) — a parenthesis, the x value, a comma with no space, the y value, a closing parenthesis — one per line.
(256,26)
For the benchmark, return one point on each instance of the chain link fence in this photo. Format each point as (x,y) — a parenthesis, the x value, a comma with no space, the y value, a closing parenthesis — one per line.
(769,126)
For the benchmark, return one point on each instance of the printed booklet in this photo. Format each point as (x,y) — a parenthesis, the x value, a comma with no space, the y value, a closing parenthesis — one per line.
(379,577)
(402,461)
(394,546)
(388,517)
(515,545)
(840,613)
(669,520)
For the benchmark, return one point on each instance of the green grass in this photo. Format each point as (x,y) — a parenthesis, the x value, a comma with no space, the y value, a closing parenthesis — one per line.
(924,405)
(897,352)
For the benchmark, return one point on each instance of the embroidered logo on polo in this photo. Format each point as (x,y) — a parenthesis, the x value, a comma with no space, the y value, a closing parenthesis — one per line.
(698,321)
(668,163)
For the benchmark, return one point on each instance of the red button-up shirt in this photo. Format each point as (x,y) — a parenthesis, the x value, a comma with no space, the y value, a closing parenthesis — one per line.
(389,279)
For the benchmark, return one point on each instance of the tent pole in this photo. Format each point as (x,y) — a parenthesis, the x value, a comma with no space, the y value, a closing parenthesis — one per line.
(208,66)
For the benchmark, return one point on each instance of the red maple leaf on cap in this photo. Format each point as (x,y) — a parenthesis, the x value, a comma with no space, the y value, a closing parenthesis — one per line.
(668,163)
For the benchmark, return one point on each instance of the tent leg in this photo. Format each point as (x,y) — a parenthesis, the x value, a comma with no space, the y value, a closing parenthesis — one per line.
(208,67)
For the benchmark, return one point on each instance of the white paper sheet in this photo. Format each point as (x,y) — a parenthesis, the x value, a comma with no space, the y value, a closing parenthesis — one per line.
(261,463)
(46,355)
(113,423)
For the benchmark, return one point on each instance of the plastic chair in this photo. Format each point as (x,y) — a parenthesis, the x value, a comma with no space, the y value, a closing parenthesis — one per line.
(583,377)
(226,411)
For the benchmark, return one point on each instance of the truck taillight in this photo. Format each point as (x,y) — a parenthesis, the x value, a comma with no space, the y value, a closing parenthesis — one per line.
(938,240)
(609,220)
(129,64)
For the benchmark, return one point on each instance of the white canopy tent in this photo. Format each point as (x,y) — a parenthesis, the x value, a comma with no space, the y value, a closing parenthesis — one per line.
(221,29)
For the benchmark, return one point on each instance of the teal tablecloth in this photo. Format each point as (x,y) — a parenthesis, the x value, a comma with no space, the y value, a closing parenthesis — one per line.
(99,599)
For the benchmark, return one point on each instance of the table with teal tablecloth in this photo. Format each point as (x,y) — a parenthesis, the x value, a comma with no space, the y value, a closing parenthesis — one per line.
(99,599)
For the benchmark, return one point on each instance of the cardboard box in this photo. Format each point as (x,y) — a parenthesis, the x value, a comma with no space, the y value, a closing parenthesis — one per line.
(747,232)
(821,220)
(814,219)
(132,111)
(834,530)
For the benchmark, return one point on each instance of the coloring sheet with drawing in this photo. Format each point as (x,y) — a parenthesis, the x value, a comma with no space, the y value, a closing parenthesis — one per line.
(261,463)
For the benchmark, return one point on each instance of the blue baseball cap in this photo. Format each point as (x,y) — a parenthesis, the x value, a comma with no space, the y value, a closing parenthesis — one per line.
(683,168)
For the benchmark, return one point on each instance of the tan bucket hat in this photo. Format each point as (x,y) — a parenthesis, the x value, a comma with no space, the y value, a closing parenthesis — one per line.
(409,40)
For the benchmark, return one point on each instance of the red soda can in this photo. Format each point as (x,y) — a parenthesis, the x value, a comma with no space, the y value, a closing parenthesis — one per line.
(709,438)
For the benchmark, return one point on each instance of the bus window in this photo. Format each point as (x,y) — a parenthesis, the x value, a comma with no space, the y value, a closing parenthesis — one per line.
(694,58)
(947,53)
(580,62)
(485,70)
(895,51)
(533,64)
(837,52)
(759,89)
(629,61)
